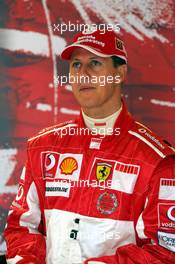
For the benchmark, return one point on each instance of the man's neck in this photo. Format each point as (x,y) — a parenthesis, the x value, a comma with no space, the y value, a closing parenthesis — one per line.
(104,125)
(100,113)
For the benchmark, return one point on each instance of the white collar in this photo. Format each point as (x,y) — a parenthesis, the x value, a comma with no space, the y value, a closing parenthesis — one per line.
(101,124)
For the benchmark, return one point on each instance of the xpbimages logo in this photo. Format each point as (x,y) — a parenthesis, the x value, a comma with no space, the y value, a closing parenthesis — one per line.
(85,28)
(85,131)
(102,80)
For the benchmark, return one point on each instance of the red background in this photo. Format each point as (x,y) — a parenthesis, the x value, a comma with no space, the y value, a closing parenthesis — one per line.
(29,100)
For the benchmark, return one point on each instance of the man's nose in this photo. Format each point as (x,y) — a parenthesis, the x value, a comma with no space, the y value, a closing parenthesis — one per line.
(85,71)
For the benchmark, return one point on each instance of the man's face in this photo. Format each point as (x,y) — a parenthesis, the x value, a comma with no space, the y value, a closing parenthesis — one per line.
(97,90)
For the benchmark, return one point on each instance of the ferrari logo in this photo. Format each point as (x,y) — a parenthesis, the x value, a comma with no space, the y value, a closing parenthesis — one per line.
(103,171)
(119,44)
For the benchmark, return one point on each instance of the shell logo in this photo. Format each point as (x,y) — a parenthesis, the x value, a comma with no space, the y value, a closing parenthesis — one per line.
(68,166)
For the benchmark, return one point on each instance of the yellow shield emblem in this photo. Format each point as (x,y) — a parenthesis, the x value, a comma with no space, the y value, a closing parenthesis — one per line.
(103,170)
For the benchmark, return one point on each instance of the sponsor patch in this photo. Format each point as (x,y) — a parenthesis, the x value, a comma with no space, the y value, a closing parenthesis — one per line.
(107,203)
(61,166)
(103,171)
(167,189)
(19,199)
(166,240)
(58,189)
(171,213)
(119,44)
(68,166)
(124,177)
(95,143)
(152,137)
(49,163)
(166,215)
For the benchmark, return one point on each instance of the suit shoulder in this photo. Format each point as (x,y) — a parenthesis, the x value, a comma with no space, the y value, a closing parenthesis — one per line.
(51,131)
(151,141)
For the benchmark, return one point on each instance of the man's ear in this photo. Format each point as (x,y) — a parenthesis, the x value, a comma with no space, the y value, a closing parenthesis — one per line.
(122,71)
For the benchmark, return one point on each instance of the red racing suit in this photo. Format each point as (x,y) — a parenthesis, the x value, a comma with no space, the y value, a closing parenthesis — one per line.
(84,196)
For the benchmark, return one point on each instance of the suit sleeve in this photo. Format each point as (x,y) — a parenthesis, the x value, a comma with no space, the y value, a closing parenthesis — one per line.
(156,223)
(24,230)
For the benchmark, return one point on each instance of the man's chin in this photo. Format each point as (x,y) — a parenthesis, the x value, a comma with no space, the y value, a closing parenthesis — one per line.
(86,102)
(87,105)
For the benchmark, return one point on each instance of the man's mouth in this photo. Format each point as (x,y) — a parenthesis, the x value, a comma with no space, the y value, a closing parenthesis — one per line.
(86,88)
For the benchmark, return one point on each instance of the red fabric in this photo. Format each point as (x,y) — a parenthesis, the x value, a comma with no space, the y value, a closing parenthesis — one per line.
(148,162)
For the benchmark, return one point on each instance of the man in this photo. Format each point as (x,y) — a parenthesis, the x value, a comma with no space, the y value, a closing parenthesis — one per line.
(100,189)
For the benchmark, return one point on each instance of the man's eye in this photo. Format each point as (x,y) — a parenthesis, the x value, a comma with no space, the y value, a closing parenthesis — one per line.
(95,63)
(76,65)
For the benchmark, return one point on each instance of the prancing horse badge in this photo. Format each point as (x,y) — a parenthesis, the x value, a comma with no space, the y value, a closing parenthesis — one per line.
(103,171)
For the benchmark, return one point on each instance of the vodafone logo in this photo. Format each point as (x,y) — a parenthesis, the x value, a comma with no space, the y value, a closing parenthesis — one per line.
(20,193)
(166,215)
(170,212)
(142,130)
(49,162)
